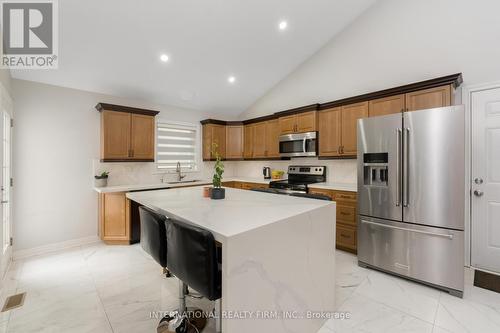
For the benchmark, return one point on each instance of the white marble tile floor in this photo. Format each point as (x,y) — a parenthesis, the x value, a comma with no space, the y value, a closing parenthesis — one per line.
(101,288)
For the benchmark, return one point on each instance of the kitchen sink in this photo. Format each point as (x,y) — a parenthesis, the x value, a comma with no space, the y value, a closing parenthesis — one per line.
(184,181)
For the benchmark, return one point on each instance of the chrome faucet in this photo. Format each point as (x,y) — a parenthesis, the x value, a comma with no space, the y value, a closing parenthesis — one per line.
(180,176)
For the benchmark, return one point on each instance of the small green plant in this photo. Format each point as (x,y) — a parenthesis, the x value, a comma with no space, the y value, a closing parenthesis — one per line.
(103,175)
(218,167)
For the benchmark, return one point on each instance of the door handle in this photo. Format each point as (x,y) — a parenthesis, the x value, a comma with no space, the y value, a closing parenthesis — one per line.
(409,230)
(398,167)
(478,193)
(304,144)
(406,166)
(4,201)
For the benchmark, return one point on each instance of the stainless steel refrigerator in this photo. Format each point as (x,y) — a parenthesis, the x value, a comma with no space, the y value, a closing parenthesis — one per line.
(411,195)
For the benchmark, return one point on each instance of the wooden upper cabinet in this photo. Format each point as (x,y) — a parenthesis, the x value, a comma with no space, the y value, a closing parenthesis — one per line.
(142,139)
(219,137)
(387,105)
(288,124)
(206,142)
(127,134)
(429,98)
(306,122)
(329,132)
(214,133)
(115,135)
(248,141)
(234,142)
(272,138)
(299,123)
(259,140)
(350,115)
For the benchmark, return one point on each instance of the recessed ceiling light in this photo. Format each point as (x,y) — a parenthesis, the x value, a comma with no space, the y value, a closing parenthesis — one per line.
(231,79)
(164,57)
(283,25)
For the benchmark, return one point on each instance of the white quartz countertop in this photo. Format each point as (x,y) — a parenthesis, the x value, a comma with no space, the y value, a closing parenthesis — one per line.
(139,187)
(239,212)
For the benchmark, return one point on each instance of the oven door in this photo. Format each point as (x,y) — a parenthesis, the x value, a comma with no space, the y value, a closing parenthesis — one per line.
(295,145)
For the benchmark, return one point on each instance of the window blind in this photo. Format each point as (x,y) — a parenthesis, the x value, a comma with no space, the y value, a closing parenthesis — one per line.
(176,143)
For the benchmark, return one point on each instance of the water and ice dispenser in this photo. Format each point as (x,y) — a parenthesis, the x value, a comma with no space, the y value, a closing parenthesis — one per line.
(376,169)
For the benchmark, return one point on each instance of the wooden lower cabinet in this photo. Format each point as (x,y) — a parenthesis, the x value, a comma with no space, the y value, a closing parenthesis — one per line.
(114,218)
(346,233)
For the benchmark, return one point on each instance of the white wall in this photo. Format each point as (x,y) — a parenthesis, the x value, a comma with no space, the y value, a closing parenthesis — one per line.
(56,150)
(6,104)
(395,42)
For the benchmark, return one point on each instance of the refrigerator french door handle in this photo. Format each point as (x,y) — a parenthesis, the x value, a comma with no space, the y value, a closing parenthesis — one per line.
(409,230)
(406,168)
(398,166)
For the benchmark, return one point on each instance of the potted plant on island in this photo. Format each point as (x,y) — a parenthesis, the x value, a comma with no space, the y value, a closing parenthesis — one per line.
(102,179)
(217,191)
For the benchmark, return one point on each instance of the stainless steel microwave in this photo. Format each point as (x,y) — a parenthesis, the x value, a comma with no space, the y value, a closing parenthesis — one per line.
(300,144)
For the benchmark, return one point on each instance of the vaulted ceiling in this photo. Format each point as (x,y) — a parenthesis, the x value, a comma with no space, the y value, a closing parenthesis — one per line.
(114,47)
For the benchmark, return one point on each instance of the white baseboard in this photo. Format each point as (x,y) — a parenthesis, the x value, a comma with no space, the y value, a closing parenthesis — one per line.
(36,251)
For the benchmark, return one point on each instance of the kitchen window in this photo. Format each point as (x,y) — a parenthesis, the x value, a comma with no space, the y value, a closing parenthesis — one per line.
(177,143)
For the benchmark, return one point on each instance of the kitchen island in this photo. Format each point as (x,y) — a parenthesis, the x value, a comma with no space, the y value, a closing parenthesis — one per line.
(278,254)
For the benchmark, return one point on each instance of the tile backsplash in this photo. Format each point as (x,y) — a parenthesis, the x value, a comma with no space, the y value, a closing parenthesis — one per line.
(338,171)
(146,173)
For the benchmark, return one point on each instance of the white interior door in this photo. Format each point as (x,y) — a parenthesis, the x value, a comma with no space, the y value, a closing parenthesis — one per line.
(485,232)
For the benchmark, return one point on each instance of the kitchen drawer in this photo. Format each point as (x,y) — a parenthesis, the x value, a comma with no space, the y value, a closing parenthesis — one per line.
(346,214)
(346,237)
(432,255)
(249,186)
(321,191)
(345,196)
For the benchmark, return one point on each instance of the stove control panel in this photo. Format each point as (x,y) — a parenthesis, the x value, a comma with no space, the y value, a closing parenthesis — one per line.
(307,170)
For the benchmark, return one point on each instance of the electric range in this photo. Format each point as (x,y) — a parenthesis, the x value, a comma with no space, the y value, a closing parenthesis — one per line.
(299,177)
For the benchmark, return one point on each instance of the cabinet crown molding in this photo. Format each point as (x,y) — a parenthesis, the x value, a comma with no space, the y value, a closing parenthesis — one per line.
(454,79)
(128,109)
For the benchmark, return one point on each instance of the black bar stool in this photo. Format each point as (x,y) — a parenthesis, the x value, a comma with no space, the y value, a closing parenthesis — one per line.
(153,236)
(193,257)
